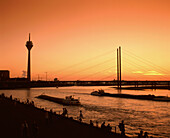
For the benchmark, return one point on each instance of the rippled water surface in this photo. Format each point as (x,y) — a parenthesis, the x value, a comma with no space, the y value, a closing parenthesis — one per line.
(150,116)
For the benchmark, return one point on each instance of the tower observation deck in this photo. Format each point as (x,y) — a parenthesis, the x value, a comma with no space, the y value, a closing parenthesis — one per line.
(29,46)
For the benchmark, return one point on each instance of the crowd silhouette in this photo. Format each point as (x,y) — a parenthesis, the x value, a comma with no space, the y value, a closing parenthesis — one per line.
(32,129)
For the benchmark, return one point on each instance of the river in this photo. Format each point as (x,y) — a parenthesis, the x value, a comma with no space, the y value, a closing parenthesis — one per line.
(150,116)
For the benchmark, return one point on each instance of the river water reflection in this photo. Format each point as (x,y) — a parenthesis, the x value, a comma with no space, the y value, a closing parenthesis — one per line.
(150,116)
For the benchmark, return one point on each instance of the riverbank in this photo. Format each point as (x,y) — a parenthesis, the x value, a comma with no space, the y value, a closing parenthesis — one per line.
(15,113)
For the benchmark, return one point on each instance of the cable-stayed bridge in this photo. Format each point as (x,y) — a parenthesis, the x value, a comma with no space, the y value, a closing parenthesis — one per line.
(116,68)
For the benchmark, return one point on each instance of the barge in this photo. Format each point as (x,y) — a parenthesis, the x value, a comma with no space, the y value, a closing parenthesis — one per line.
(68,100)
(130,96)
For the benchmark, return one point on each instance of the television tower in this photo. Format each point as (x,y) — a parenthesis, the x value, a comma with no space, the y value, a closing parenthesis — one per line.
(29,45)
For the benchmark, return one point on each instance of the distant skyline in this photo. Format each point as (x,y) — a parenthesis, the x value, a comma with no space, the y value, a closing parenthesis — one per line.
(77,39)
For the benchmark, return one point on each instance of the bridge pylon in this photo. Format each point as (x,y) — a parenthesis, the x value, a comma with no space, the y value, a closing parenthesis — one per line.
(119,67)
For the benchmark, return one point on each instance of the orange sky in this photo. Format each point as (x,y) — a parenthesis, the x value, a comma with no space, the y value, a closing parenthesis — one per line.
(74,32)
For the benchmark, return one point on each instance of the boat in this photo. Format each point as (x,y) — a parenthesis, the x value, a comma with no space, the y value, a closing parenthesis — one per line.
(68,100)
(162,98)
(98,93)
(130,96)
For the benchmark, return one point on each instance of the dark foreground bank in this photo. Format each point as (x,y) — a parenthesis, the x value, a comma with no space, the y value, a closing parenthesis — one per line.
(14,114)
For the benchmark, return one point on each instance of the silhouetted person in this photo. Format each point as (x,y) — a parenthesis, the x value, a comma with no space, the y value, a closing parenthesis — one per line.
(122,127)
(103,125)
(97,124)
(81,114)
(3,95)
(140,135)
(109,128)
(32,103)
(27,101)
(145,135)
(25,129)
(10,97)
(115,129)
(65,112)
(91,122)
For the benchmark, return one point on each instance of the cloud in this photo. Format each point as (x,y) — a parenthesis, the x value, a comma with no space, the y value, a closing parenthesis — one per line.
(140,72)
(153,73)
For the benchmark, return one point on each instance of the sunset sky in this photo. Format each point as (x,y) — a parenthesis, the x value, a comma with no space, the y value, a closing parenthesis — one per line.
(77,39)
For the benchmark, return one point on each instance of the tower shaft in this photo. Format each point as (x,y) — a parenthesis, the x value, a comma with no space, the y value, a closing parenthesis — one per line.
(29,67)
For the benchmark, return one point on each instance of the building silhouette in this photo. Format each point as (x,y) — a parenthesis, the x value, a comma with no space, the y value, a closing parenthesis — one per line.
(4,75)
(29,46)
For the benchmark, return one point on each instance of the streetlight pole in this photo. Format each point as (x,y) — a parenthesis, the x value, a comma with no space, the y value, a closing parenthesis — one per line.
(46,76)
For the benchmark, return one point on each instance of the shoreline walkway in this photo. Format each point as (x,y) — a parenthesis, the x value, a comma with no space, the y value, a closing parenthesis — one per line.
(14,113)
